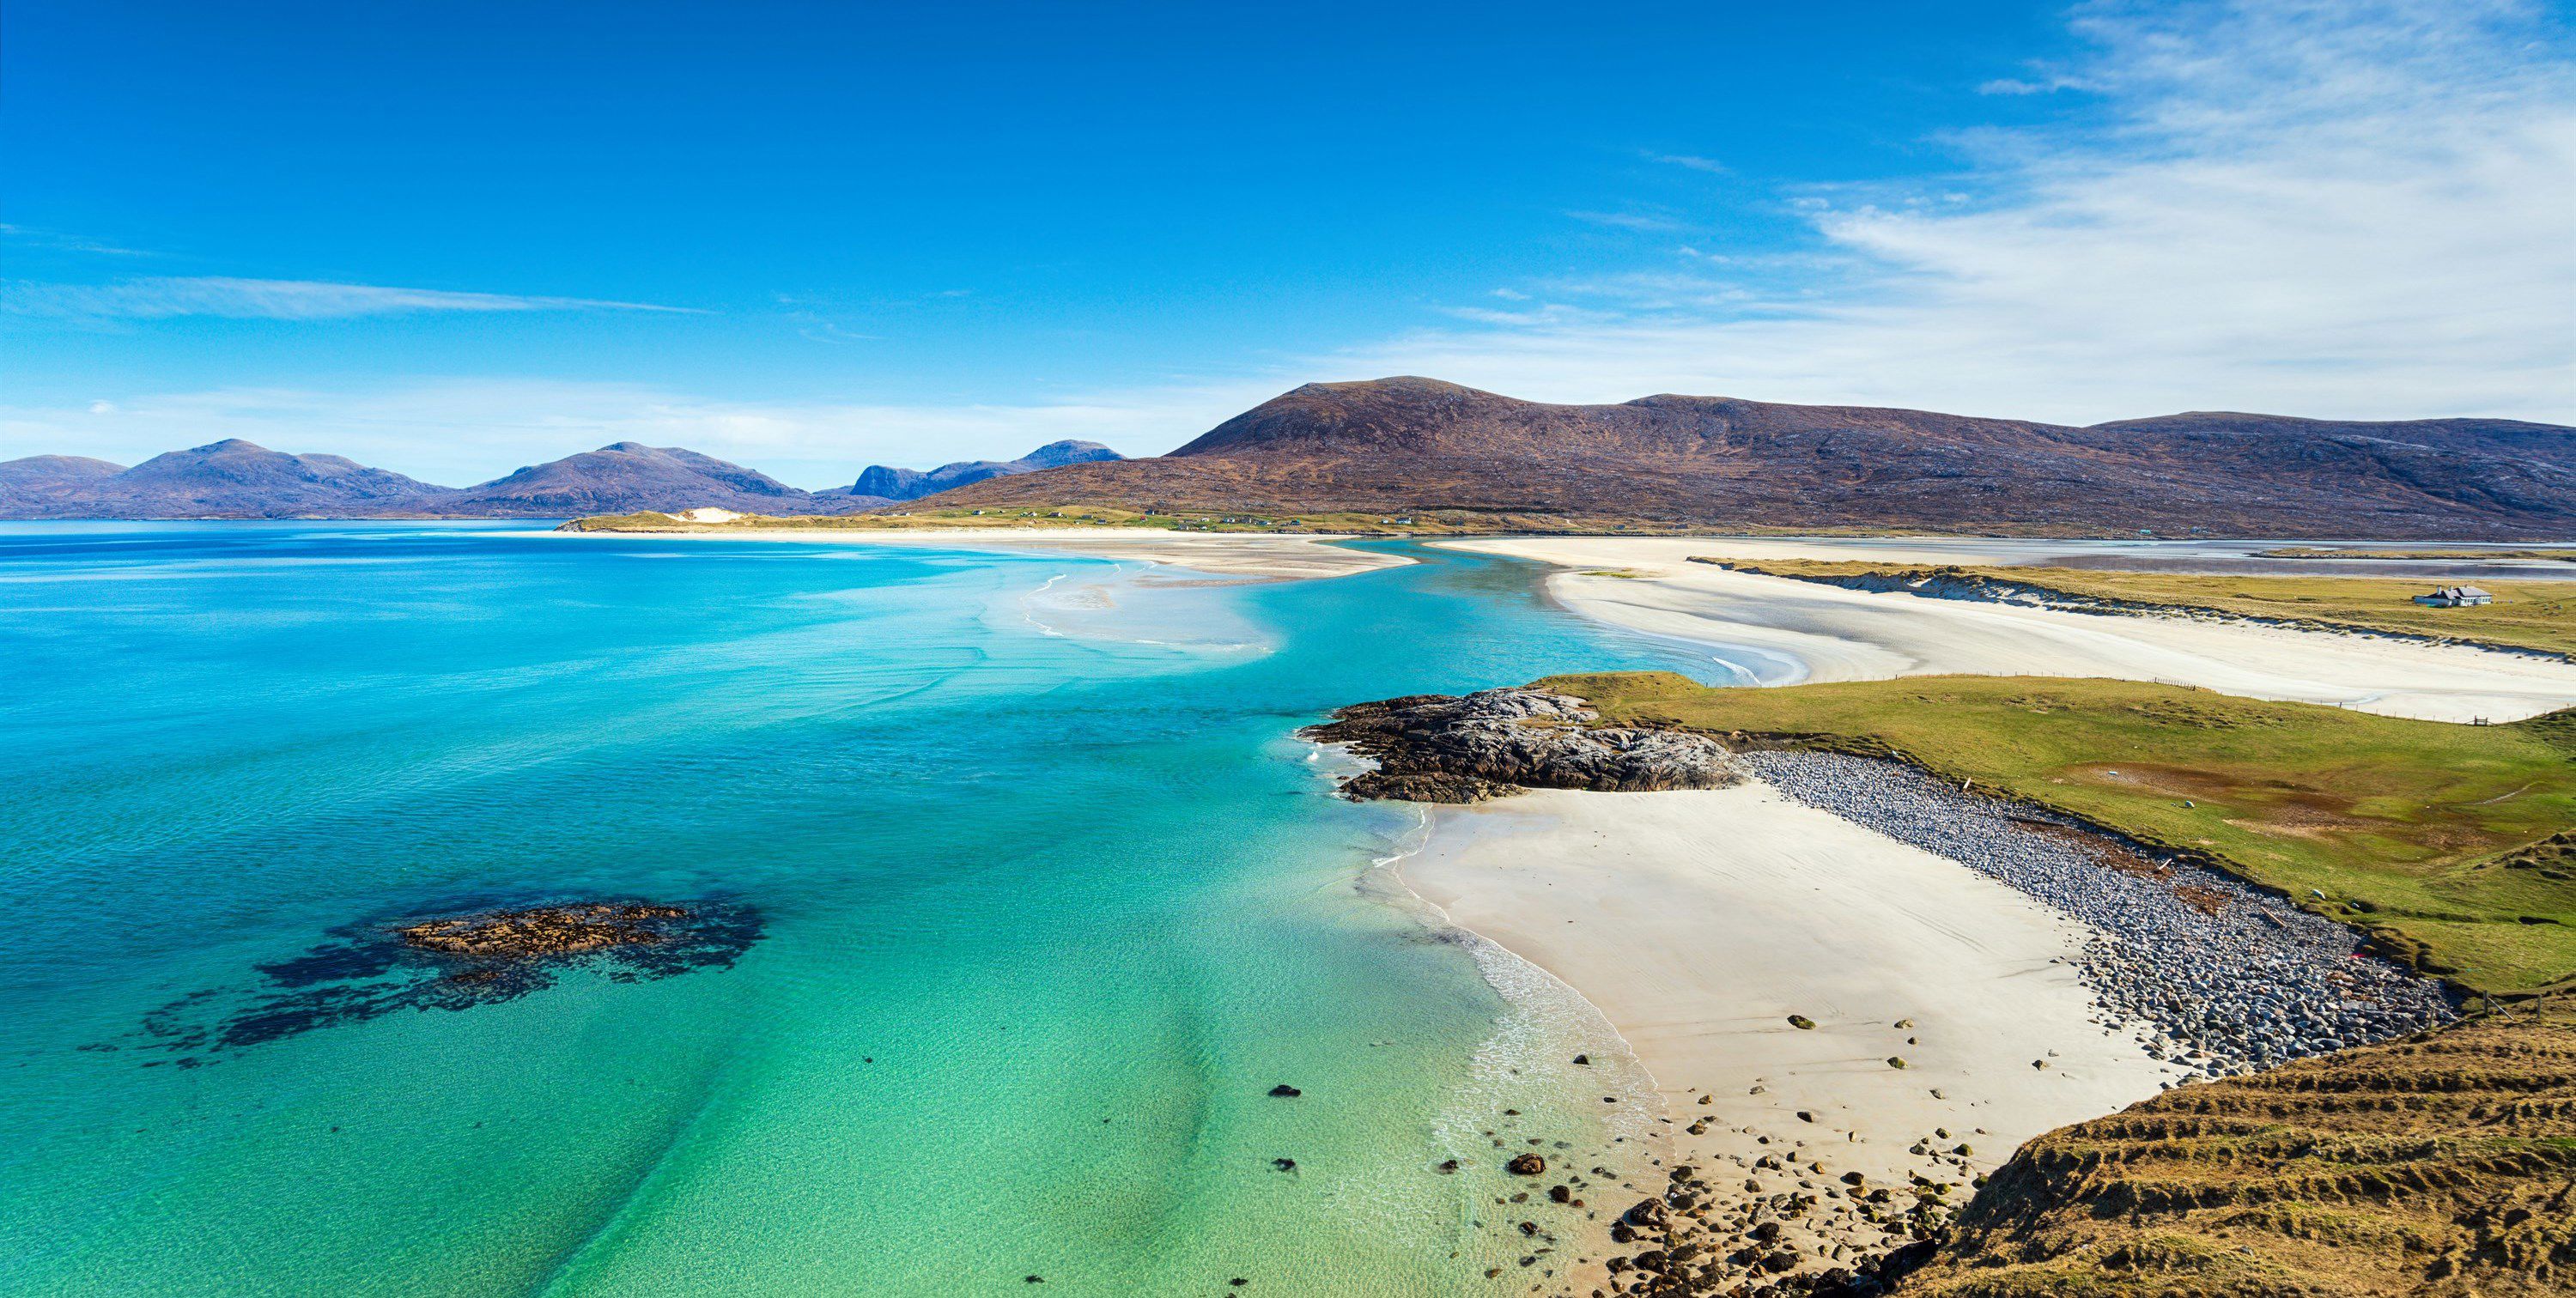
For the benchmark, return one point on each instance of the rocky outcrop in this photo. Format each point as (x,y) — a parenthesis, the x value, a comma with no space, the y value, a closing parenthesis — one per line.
(545,930)
(1467,748)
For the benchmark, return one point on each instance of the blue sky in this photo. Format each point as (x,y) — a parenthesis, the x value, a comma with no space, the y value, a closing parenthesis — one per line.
(452,239)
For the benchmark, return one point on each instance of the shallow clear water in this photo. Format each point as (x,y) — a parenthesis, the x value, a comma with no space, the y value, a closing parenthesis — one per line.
(1048,899)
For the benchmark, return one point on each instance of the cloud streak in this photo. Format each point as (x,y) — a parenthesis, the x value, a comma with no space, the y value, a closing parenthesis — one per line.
(225,297)
(2355,209)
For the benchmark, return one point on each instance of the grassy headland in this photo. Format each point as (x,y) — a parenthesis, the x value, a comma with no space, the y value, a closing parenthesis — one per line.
(2445,1165)
(2454,846)
(2538,615)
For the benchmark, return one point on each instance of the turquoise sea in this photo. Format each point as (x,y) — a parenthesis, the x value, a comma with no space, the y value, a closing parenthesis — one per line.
(1033,896)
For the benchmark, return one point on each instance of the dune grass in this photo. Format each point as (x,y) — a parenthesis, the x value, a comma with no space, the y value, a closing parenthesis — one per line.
(2454,846)
(2539,615)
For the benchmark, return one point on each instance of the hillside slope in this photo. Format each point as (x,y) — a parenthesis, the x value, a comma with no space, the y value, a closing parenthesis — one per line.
(230,478)
(627,476)
(2439,1166)
(1411,445)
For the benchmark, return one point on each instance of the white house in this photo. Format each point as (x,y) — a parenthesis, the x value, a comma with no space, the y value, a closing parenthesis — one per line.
(2455,597)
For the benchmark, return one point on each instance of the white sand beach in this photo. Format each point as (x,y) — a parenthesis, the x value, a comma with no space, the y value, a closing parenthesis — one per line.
(1805,631)
(1251,555)
(1700,921)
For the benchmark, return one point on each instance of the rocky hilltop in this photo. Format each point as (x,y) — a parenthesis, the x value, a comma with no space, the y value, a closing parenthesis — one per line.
(1414,445)
(1440,748)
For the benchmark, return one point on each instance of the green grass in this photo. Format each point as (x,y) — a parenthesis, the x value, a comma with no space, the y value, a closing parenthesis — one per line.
(2525,615)
(2430,836)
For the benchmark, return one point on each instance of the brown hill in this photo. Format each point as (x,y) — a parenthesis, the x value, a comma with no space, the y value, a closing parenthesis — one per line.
(1411,445)
(2439,1166)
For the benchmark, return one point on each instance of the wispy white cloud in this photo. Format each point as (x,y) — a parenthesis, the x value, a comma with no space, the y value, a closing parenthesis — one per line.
(2355,209)
(58,241)
(1689,161)
(162,297)
(1647,222)
(2041,83)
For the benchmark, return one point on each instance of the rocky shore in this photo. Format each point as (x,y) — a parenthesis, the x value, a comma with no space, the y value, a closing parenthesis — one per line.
(2216,978)
(1458,749)
(2224,978)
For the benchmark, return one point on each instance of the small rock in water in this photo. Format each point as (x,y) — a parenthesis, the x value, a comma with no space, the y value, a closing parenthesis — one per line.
(1284,1091)
(1525,1165)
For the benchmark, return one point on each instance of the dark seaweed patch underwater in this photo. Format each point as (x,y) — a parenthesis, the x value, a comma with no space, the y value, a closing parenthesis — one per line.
(367,968)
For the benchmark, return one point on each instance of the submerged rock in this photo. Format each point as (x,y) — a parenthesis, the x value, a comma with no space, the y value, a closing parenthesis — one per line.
(470,955)
(545,930)
(1467,748)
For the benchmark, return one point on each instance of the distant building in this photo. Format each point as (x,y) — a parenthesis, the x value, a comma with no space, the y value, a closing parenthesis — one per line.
(2456,597)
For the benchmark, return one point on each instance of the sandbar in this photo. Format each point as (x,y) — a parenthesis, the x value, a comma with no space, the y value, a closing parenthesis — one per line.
(1798,631)
(1252,555)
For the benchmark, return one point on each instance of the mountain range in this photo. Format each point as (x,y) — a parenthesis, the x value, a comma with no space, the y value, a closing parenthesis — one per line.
(1419,446)
(913,484)
(1414,446)
(237,479)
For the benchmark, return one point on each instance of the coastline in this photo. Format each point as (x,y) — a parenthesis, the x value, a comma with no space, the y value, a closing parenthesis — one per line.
(1828,633)
(1260,556)
(1698,922)
(1848,1025)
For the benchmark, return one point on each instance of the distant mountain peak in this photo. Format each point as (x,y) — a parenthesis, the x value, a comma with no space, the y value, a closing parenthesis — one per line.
(889,483)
